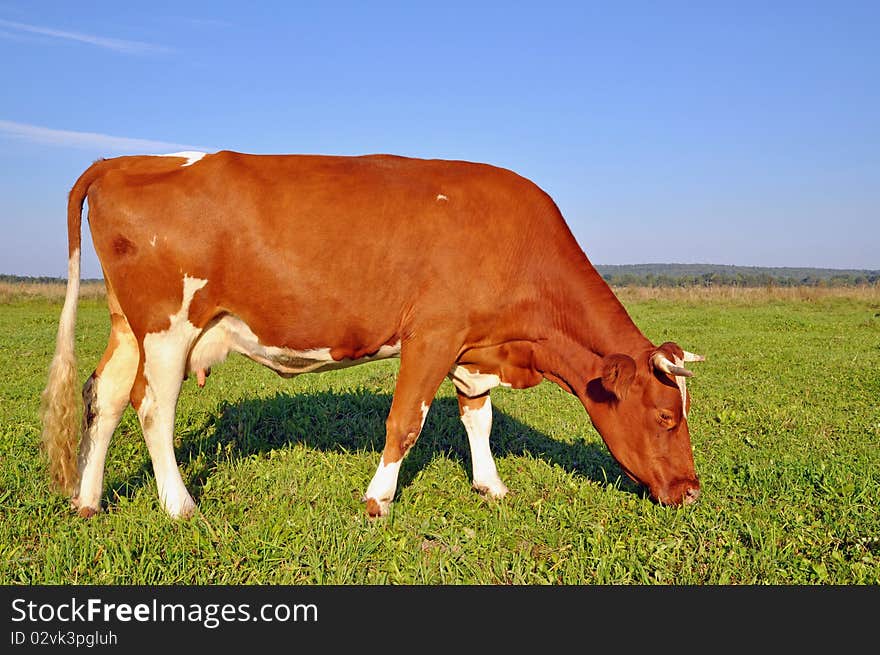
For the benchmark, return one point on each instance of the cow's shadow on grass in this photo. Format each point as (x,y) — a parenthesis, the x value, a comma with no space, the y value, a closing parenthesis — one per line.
(355,421)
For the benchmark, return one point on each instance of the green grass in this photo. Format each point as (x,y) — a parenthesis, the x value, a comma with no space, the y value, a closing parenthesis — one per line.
(784,421)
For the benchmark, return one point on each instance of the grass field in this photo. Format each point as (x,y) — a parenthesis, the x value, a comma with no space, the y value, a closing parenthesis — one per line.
(785,426)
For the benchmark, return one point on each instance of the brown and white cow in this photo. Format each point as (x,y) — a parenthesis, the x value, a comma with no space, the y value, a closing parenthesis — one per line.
(305,263)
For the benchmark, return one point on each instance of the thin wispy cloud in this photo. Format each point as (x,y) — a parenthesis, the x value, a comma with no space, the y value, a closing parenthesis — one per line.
(105,143)
(119,45)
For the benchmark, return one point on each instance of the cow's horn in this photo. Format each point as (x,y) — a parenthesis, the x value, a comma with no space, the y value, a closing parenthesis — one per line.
(692,357)
(661,363)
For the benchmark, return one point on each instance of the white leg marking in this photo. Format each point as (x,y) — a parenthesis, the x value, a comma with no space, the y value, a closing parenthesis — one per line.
(478,424)
(384,482)
(110,392)
(157,419)
(383,485)
(165,355)
(425,408)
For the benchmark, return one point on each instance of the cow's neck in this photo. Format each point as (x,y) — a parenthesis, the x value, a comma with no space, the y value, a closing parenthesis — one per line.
(593,324)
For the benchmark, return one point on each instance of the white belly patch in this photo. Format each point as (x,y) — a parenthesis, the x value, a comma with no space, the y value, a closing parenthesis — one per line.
(230,334)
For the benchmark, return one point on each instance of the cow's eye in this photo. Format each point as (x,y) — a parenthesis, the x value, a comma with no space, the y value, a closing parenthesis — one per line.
(666,418)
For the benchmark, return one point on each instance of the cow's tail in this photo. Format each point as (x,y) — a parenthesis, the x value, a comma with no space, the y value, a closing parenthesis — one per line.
(60,402)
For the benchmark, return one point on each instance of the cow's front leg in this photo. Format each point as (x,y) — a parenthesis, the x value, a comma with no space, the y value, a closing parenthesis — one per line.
(422,369)
(476,415)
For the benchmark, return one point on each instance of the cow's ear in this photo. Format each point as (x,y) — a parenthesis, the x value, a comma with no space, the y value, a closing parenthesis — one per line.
(618,372)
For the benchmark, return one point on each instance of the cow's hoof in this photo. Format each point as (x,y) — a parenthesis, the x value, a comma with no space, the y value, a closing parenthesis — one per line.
(377,508)
(84,511)
(186,513)
(494,489)
(183,510)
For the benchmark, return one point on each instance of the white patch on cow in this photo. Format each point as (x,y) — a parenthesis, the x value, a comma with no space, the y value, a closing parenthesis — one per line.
(110,395)
(229,333)
(478,424)
(474,384)
(383,485)
(425,408)
(191,156)
(440,197)
(165,355)
(153,240)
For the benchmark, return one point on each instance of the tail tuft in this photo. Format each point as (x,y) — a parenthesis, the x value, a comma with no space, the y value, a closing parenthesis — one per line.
(60,402)
(59,409)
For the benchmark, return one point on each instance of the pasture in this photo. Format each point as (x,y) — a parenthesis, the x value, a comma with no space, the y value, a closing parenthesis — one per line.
(784,420)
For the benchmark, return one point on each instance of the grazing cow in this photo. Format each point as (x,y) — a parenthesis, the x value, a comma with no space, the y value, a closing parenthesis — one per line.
(307,263)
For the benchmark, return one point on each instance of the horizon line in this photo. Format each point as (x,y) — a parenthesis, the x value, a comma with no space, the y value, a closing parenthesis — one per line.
(816,268)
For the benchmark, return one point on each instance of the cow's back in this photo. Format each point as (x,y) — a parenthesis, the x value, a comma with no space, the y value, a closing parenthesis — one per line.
(310,250)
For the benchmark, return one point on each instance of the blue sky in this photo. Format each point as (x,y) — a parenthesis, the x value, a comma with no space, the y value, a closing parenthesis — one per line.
(729,133)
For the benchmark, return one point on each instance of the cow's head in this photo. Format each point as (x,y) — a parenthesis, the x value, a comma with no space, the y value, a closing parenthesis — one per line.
(639,405)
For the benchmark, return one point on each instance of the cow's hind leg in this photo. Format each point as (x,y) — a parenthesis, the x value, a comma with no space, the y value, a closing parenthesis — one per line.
(476,414)
(422,369)
(155,393)
(105,397)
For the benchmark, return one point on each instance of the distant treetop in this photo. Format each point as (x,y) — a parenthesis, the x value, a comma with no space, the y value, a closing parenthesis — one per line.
(683,275)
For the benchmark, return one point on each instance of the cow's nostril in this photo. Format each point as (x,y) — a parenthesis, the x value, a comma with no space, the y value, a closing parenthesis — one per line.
(691,496)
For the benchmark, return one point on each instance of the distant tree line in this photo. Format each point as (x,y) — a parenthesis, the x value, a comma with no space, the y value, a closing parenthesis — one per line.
(709,275)
(40,279)
(673,275)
